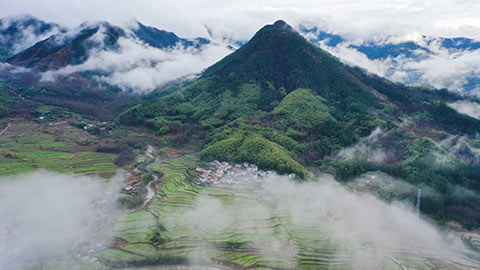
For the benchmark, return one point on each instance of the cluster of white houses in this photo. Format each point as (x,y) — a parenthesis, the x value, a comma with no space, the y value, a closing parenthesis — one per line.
(222,172)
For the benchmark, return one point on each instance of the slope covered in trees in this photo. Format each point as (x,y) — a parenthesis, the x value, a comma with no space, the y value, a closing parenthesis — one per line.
(285,104)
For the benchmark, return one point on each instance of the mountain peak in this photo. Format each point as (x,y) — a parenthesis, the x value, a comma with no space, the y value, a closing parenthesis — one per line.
(280,23)
(280,55)
(276,26)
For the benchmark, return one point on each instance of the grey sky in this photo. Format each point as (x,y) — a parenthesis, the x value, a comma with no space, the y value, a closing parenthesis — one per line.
(240,19)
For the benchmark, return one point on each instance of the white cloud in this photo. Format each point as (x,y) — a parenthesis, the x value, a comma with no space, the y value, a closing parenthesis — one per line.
(240,19)
(439,67)
(142,68)
(467,107)
(370,20)
(28,35)
(365,230)
(369,149)
(46,215)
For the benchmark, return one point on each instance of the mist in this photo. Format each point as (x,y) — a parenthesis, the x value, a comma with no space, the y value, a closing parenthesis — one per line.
(140,68)
(469,108)
(46,215)
(362,230)
(26,36)
(368,148)
(437,67)
(463,148)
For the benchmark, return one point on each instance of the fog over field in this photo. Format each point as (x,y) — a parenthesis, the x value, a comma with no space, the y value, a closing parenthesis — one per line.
(47,215)
(63,213)
(365,230)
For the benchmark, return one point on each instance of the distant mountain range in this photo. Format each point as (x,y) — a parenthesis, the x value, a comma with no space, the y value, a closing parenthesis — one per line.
(409,61)
(61,47)
(28,42)
(382,50)
(85,68)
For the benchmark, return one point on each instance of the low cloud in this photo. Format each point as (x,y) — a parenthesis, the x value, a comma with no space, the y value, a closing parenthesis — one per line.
(240,20)
(372,20)
(439,67)
(27,35)
(365,231)
(7,70)
(141,68)
(463,148)
(469,108)
(368,148)
(47,215)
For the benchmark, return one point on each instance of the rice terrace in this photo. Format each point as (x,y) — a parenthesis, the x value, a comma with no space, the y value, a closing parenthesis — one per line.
(253,231)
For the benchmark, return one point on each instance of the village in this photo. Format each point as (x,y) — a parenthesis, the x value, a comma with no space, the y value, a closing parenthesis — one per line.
(224,173)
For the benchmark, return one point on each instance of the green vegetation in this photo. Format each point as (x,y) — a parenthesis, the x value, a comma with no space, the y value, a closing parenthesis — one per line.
(172,230)
(265,147)
(303,110)
(44,110)
(4,111)
(283,103)
(19,154)
(160,125)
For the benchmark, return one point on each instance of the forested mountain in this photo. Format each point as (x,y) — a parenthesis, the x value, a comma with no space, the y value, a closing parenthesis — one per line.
(45,63)
(283,103)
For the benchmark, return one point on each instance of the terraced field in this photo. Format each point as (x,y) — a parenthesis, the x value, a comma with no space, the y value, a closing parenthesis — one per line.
(24,148)
(244,227)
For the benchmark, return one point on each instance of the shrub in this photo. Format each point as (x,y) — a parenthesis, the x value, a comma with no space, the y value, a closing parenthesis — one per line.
(160,125)
(253,147)
(302,109)
(4,111)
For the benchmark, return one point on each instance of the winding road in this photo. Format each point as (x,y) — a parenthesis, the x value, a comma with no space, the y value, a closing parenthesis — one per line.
(150,154)
(150,191)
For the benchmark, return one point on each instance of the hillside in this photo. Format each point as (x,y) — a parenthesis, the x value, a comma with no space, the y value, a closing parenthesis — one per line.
(285,104)
(64,49)
(47,64)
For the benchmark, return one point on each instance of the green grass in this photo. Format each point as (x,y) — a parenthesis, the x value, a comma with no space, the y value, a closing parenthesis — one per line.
(22,154)
(305,244)
(175,196)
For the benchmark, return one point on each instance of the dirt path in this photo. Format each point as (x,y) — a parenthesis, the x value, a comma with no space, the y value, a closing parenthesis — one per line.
(150,191)
(150,155)
(5,129)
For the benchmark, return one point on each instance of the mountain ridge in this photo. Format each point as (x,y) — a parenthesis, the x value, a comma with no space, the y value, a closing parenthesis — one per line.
(255,89)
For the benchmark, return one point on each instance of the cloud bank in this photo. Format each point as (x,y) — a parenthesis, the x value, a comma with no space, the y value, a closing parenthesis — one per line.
(365,231)
(46,215)
(435,66)
(469,108)
(240,19)
(141,68)
(27,35)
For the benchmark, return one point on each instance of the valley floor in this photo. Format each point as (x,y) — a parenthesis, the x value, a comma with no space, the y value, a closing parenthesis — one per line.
(182,225)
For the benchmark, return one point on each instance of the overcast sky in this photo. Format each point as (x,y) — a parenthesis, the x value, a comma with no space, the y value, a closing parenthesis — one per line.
(240,19)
